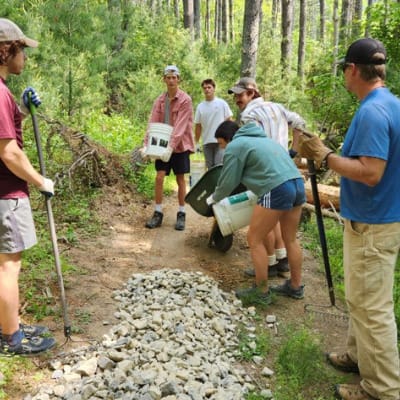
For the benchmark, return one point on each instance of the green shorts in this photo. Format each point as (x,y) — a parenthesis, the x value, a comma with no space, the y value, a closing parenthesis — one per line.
(17,229)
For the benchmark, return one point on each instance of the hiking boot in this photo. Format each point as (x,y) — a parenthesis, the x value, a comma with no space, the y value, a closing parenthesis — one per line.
(155,221)
(32,330)
(287,290)
(342,361)
(272,272)
(352,392)
(33,345)
(180,221)
(283,268)
(254,295)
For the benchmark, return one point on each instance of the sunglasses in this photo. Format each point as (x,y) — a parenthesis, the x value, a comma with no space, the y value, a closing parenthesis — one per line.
(344,66)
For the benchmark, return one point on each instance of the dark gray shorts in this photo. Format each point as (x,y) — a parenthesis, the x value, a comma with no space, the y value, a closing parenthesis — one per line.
(17,230)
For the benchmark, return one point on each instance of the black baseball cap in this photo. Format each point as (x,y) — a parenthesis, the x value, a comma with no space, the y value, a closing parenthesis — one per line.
(363,51)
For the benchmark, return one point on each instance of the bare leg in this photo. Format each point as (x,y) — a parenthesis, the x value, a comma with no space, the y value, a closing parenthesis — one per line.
(10,265)
(262,222)
(159,184)
(289,224)
(180,180)
(279,243)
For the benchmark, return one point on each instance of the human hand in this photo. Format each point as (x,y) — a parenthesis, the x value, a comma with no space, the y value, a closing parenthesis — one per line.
(47,187)
(143,153)
(198,148)
(167,154)
(311,147)
(29,95)
(210,200)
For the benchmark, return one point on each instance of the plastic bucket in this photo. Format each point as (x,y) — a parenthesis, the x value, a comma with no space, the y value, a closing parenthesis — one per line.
(159,136)
(197,170)
(234,212)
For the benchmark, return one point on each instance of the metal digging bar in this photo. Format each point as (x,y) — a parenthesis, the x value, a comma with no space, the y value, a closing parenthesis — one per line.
(324,247)
(67,325)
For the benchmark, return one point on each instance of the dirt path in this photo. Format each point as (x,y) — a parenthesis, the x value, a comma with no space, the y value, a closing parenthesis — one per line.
(127,247)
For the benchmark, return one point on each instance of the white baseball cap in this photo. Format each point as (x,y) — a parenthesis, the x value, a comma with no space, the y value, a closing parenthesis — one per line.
(10,32)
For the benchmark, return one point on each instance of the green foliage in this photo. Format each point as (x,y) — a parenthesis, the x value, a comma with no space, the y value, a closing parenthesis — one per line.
(251,344)
(300,367)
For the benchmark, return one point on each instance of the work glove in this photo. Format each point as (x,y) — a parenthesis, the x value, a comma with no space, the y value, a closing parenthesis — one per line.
(47,188)
(29,95)
(210,200)
(143,153)
(167,154)
(312,148)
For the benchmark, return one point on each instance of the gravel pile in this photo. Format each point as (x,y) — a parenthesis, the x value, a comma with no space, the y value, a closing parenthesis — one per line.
(176,340)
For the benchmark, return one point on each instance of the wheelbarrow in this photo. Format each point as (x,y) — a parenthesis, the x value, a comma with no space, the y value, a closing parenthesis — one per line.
(197,196)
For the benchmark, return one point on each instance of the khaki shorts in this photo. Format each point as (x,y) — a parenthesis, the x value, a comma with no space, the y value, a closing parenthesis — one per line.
(17,230)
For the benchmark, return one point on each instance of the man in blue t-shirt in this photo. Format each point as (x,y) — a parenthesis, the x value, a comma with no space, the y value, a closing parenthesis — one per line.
(370,204)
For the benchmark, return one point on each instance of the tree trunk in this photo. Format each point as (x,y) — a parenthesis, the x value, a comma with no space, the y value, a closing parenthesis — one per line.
(357,18)
(286,43)
(231,29)
(197,19)
(302,39)
(345,21)
(176,9)
(207,21)
(275,12)
(335,35)
(224,21)
(188,16)
(251,29)
(322,20)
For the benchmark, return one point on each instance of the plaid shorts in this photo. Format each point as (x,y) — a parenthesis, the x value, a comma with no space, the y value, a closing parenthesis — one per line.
(17,229)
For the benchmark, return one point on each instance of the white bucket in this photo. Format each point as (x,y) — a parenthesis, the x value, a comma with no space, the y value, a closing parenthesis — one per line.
(159,136)
(234,212)
(197,170)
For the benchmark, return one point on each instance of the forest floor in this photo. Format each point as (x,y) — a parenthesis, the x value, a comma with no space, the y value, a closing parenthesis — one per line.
(124,247)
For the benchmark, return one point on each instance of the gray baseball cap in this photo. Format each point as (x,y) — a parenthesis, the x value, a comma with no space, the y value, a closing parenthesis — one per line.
(10,32)
(242,85)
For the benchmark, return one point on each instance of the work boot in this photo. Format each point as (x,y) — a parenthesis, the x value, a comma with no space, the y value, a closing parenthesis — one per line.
(342,361)
(287,290)
(32,330)
(272,271)
(180,221)
(352,392)
(155,221)
(25,346)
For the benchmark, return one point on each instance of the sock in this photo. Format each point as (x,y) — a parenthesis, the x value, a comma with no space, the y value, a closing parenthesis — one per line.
(281,253)
(14,339)
(272,260)
(158,207)
(182,209)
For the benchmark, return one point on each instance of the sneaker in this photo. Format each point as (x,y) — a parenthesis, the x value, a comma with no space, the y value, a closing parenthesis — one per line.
(33,345)
(272,272)
(287,290)
(283,268)
(180,221)
(155,221)
(342,361)
(32,330)
(254,295)
(352,392)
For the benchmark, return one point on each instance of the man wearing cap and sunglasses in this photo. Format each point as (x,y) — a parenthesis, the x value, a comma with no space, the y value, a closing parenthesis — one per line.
(275,120)
(173,107)
(370,206)
(17,230)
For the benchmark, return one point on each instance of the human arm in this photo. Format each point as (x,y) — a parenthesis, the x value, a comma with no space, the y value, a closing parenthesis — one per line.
(197,132)
(367,170)
(18,163)
(294,120)
(182,117)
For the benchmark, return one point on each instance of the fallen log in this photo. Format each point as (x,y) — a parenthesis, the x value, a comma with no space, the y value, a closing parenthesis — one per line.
(324,212)
(329,196)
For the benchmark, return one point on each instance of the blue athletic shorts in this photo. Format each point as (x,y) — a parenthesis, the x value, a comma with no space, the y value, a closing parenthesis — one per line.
(285,196)
(179,163)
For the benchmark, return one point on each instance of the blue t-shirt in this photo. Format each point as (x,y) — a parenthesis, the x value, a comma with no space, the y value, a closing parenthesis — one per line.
(374,132)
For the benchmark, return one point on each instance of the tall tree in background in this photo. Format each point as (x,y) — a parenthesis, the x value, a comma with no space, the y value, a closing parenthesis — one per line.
(251,33)
(302,39)
(197,19)
(231,29)
(345,22)
(207,18)
(286,41)
(188,16)
(357,18)
(322,20)
(224,21)
(335,43)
